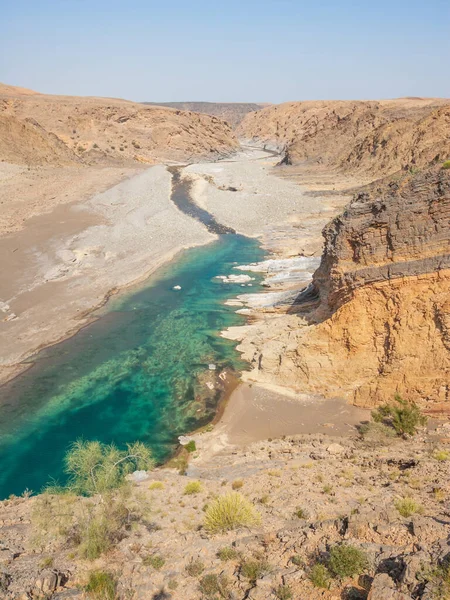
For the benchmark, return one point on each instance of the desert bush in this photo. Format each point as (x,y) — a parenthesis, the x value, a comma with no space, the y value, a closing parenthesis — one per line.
(101,585)
(446,164)
(407,506)
(156,485)
(195,568)
(213,586)
(319,576)
(255,569)
(297,560)
(191,446)
(230,511)
(283,592)
(193,487)
(441,455)
(227,553)
(154,560)
(96,468)
(404,416)
(301,513)
(347,561)
(237,484)
(438,578)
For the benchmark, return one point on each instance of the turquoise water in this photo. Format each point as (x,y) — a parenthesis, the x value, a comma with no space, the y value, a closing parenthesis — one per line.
(137,373)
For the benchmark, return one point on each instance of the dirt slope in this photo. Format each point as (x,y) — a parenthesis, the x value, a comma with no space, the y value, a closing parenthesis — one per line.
(103,131)
(373,138)
(231,112)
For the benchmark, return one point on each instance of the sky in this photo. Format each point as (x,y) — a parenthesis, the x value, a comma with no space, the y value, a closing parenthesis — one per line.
(228,51)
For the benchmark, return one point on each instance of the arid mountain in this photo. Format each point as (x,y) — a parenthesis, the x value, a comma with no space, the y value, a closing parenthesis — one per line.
(231,112)
(41,129)
(371,139)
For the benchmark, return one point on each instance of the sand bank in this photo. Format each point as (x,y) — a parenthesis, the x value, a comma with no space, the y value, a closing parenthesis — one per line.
(67,261)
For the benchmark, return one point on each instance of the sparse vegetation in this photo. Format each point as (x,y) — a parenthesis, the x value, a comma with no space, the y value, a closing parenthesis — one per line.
(320,576)
(407,506)
(230,511)
(255,569)
(301,513)
(441,455)
(297,560)
(191,446)
(156,485)
(237,484)
(213,586)
(404,416)
(227,553)
(347,561)
(193,487)
(284,592)
(195,568)
(446,164)
(154,560)
(101,585)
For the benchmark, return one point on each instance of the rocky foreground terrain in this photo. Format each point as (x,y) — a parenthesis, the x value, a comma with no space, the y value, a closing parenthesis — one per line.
(382,495)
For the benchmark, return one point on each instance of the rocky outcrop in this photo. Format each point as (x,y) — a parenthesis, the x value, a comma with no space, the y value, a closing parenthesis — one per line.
(369,139)
(104,131)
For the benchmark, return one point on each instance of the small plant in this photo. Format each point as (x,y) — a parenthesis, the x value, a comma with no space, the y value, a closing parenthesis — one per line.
(95,146)
(347,561)
(237,484)
(439,494)
(46,562)
(327,489)
(274,473)
(297,560)
(319,576)
(156,485)
(441,455)
(213,586)
(283,592)
(227,553)
(230,511)
(404,416)
(154,560)
(264,499)
(172,584)
(193,487)
(446,164)
(407,506)
(301,513)
(191,446)
(101,585)
(255,569)
(195,568)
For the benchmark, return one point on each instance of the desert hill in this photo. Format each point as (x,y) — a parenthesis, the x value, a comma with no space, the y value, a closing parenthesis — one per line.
(103,131)
(371,139)
(231,112)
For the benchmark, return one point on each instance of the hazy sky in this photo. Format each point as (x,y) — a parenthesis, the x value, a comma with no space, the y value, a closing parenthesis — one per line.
(233,50)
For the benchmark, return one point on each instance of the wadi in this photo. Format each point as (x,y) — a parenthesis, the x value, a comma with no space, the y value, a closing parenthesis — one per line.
(225,349)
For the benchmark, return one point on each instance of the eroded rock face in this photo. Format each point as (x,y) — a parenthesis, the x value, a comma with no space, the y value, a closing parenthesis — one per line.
(377,319)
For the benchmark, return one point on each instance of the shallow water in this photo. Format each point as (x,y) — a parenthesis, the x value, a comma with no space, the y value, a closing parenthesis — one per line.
(137,373)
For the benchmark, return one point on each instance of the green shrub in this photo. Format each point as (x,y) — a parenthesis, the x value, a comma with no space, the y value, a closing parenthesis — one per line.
(195,568)
(255,569)
(284,592)
(446,164)
(227,553)
(407,506)
(230,511)
(96,468)
(191,446)
(213,585)
(319,576)
(193,487)
(347,561)
(297,560)
(101,585)
(441,455)
(154,560)
(404,416)
(96,536)
(46,562)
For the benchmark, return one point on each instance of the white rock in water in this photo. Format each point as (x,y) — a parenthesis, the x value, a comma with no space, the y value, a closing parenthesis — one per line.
(235,278)
(184,439)
(139,475)
(212,367)
(177,287)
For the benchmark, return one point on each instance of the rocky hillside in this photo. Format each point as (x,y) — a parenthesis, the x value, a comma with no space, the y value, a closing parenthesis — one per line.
(361,518)
(38,129)
(374,139)
(231,112)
